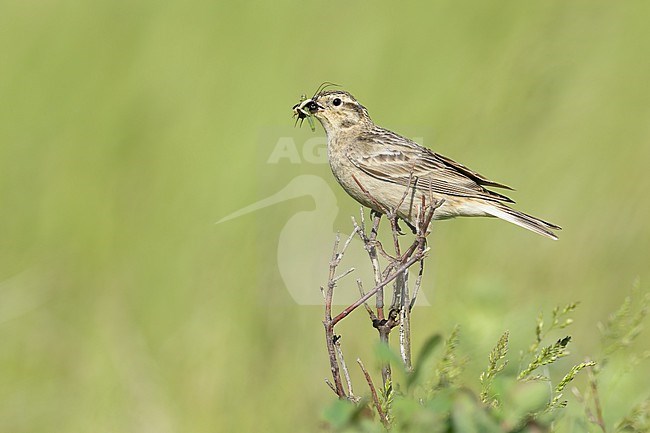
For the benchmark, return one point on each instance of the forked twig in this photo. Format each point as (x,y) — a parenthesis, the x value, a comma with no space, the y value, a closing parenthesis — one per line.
(330,337)
(396,270)
(371,245)
(343,314)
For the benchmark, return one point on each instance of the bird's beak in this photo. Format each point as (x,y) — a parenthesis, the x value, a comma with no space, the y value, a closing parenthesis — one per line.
(306,108)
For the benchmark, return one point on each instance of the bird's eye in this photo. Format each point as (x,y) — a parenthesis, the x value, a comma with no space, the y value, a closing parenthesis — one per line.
(336,102)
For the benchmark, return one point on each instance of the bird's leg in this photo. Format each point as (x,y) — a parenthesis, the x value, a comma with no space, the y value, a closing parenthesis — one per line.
(409,190)
(399,229)
(392,217)
(411,226)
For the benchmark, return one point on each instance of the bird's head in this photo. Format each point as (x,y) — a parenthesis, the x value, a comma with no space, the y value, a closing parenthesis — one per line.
(337,111)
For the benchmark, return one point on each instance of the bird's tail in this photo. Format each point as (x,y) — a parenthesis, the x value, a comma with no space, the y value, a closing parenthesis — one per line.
(522,220)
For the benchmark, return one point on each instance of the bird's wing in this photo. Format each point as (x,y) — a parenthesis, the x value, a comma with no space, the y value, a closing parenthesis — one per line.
(389,157)
(477,177)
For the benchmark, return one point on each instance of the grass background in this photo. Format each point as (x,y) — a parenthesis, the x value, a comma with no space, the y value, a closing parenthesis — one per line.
(129,128)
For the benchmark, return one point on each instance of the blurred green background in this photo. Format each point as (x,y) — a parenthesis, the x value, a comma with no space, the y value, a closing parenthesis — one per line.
(128,128)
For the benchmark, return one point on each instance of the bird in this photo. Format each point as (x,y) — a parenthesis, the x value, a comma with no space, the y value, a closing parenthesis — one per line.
(387,172)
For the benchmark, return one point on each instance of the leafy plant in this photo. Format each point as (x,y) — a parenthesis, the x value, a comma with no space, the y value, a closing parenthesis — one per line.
(432,398)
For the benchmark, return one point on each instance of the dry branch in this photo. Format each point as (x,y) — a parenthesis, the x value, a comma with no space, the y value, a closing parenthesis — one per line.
(396,270)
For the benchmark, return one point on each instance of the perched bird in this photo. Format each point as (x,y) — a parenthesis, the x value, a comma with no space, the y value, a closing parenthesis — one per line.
(387,172)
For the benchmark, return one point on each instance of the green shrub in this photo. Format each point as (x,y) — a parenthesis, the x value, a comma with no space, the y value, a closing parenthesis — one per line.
(431,397)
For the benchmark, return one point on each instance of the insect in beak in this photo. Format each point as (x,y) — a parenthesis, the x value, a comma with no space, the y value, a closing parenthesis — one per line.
(304,109)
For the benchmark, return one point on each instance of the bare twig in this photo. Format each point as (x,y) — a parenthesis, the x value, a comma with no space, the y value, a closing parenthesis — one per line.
(407,190)
(371,245)
(344,367)
(371,313)
(385,327)
(405,322)
(330,337)
(396,270)
(396,232)
(331,386)
(393,217)
(372,199)
(372,252)
(338,277)
(375,398)
(383,252)
(424,217)
(343,314)
(418,283)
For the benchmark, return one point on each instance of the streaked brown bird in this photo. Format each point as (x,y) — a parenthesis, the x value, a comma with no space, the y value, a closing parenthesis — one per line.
(387,172)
